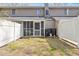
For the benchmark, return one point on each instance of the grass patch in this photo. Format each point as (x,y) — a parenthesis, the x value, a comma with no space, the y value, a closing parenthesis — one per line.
(13,47)
(36,46)
(53,49)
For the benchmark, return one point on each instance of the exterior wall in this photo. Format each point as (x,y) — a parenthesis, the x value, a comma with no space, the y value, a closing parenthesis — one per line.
(64,12)
(41,12)
(24,12)
(57,12)
(49,24)
(5,12)
(28,12)
(9,31)
(49,28)
(73,12)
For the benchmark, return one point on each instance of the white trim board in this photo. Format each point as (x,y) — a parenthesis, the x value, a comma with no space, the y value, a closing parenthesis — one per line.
(70,41)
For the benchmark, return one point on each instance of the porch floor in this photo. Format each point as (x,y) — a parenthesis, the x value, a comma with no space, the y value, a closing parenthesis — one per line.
(38,46)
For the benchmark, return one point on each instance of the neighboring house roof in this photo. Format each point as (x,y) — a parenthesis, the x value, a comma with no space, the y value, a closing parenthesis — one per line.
(64,7)
(18,5)
(30,5)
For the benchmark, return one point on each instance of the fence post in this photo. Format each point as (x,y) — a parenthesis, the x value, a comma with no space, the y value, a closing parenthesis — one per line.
(14,30)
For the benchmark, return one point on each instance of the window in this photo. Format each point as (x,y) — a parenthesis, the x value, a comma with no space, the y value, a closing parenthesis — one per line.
(47,12)
(13,11)
(24,25)
(66,11)
(42,24)
(37,25)
(42,32)
(38,12)
(29,24)
(28,28)
(42,27)
(0,9)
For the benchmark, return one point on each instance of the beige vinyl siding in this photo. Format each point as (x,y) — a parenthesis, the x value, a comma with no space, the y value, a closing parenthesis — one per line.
(25,12)
(5,12)
(73,12)
(57,12)
(33,12)
(22,12)
(28,12)
(49,24)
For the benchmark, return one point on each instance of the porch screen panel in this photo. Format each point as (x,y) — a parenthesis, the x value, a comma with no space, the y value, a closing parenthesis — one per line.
(42,28)
(28,28)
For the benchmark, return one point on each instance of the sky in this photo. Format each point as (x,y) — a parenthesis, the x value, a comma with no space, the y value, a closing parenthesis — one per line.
(64,4)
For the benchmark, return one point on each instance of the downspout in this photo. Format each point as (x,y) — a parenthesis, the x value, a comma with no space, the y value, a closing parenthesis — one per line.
(46,13)
(50,17)
(55,30)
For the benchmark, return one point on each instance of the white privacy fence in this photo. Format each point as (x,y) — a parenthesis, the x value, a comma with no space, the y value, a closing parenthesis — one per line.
(68,29)
(9,31)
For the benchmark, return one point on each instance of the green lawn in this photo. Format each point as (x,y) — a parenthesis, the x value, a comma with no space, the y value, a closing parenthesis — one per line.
(38,47)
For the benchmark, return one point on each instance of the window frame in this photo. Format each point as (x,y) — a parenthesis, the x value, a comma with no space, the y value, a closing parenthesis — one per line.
(38,12)
(46,12)
(13,11)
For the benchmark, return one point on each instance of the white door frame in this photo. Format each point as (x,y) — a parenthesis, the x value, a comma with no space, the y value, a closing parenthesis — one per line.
(34,28)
